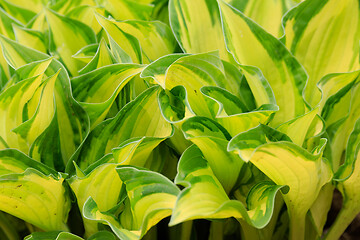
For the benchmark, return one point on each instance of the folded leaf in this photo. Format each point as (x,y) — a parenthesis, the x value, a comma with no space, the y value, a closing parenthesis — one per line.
(134,120)
(30,38)
(197,26)
(285,75)
(38,199)
(67,37)
(98,89)
(288,164)
(151,196)
(204,197)
(315,34)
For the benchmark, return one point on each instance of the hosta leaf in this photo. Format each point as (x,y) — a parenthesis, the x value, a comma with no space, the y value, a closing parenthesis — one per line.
(298,128)
(98,89)
(246,142)
(72,123)
(38,199)
(194,23)
(32,5)
(212,139)
(19,12)
(204,197)
(241,122)
(67,37)
(134,120)
(103,185)
(285,75)
(119,38)
(52,236)
(14,161)
(43,115)
(103,57)
(339,133)
(288,164)
(64,7)
(310,28)
(151,196)
(128,9)
(348,185)
(86,15)
(87,53)
(7,23)
(92,212)
(260,88)
(155,38)
(267,14)
(30,38)
(335,90)
(20,95)
(192,72)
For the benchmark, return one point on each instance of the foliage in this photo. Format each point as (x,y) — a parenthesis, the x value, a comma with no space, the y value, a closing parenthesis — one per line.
(156,119)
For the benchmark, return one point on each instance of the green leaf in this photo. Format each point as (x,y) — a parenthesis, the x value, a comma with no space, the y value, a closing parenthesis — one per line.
(97,90)
(194,23)
(204,197)
(155,38)
(67,37)
(268,14)
(245,143)
(71,124)
(30,38)
(120,39)
(38,199)
(285,75)
(52,236)
(151,196)
(315,34)
(102,57)
(92,212)
(288,164)
(212,139)
(103,185)
(348,185)
(134,120)
(128,9)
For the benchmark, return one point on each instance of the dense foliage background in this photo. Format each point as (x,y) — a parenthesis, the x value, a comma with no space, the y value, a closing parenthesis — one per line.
(156,119)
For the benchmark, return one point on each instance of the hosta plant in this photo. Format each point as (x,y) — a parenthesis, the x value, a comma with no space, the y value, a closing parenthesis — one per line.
(178,119)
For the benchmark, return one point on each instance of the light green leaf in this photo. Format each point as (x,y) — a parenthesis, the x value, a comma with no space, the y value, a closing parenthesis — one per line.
(38,199)
(102,57)
(288,164)
(340,131)
(193,72)
(204,197)
(197,27)
(134,120)
(128,9)
(305,126)
(97,90)
(86,53)
(120,39)
(30,38)
(151,196)
(212,139)
(67,37)
(260,88)
(246,142)
(348,185)
(336,96)
(86,15)
(316,35)
(52,236)
(92,212)
(72,123)
(268,14)
(103,185)
(155,38)
(285,75)
(21,13)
